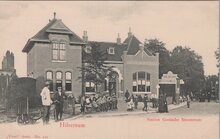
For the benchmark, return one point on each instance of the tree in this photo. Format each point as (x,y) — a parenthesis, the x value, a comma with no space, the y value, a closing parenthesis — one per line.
(211,82)
(189,67)
(157,46)
(217,57)
(94,68)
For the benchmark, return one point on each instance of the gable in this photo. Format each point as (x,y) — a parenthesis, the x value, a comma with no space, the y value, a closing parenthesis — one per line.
(133,46)
(59,27)
(55,26)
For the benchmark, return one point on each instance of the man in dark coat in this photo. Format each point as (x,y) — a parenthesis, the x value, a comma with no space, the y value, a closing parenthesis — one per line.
(165,102)
(59,100)
(145,99)
(135,101)
(127,94)
(209,96)
(163,107)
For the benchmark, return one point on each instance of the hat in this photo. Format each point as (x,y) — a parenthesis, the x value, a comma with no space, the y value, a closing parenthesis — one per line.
(47,83)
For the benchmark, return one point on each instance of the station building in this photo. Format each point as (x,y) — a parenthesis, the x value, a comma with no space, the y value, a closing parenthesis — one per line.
(55,54)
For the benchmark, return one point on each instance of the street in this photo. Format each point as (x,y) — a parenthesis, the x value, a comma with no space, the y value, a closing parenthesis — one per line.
(200,121)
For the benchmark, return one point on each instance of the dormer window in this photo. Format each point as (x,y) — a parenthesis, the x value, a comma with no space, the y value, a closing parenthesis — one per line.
(88,49)
(111,51)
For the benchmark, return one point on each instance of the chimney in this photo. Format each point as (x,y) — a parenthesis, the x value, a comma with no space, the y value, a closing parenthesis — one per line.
(118,39)
(54,15)
(129,33)
(141,47)
(85,36)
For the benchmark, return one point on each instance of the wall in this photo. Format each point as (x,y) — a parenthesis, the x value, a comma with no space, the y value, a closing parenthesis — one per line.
(140,62)
(40,60)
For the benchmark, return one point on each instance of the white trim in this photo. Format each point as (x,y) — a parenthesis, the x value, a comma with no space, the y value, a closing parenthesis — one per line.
(77,43)
(139,93)
(58,61)
(142,63)
(142,53)
(114,62)
(38,40)
(90,93)
(58,31)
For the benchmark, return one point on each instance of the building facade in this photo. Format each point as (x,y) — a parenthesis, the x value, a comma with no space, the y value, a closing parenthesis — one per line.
(172,85)
(55,53)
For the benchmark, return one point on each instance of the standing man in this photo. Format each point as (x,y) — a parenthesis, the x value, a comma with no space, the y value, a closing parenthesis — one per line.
(83,104)
(135,101)
(188,101)
(59,100)
(46,102)
(145,102)
(209,96)
(127,94)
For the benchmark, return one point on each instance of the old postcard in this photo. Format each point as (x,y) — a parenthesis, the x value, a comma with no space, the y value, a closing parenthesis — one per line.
(109,70)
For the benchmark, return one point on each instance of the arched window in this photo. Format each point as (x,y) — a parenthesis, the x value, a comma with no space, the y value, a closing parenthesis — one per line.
(49,77)
(141,82)
(59,75)
(58,79)
(68,82)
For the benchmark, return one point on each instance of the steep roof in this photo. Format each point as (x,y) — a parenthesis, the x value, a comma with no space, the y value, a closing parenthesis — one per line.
(118,49)
(133,45)
(55,26)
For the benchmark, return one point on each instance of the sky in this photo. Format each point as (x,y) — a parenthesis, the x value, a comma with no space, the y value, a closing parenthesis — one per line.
(193,24)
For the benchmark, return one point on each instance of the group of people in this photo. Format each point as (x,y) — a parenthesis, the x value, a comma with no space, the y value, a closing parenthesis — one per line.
(58,100)
(98,103)
(132,101)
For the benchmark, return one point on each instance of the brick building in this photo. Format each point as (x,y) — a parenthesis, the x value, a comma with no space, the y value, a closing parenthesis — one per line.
(55,53)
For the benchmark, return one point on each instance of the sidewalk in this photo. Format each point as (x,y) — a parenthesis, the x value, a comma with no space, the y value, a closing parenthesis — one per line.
(125,113)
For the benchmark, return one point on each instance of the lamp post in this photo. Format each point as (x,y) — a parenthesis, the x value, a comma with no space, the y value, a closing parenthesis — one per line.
(216,90)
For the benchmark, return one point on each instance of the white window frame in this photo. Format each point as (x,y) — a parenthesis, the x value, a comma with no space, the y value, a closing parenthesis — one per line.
(145,82)
(111,51)
(59,47)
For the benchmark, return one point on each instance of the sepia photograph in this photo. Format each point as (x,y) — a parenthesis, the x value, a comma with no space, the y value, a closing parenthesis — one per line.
(109,69)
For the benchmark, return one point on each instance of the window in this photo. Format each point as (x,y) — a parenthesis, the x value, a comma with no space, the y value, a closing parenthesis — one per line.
(111,51)
(59,75)
(58,79)
(90,87)
(88,49)
(134,86)
(68,84)
(58,51)
(49,77)
(58,84)
(141,82)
